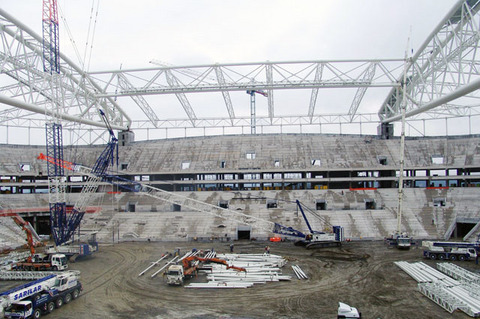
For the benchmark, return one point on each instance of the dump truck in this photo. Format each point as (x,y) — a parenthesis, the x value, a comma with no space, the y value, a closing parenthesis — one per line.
(41,296)
(450,250)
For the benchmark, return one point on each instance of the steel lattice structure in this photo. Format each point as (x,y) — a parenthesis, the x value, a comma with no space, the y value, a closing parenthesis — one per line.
(442,82)
(443,76)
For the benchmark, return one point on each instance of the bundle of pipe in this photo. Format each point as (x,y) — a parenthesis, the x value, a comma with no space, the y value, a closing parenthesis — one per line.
(299,272)
(259,269)
(249,260)
(248,277)
(172,261)
(421,272)
(220,285)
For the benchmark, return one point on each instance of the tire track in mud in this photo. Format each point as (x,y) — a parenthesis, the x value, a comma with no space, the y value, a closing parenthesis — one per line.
(109,273)
(123,289)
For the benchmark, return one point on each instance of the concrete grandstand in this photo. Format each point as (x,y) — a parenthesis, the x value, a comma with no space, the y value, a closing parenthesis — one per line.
(261,163)
(348,180)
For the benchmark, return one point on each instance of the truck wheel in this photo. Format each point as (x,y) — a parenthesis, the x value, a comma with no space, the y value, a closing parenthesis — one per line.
(59,302)
(453,257)
(441,256)
(37,313)
(461,257)
(55,268)
(75,294)
(433,256)
(50,306)
(68,298)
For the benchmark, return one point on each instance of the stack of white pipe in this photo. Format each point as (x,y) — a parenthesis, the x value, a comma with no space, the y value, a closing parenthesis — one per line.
(299,272)
(260,268)
(421,272)
(220,285)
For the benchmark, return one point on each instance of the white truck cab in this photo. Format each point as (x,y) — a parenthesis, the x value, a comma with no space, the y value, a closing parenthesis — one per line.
(347,312)
(175,275)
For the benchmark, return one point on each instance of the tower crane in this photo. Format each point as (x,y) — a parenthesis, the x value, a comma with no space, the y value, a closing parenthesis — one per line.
(253,112)
(53,129)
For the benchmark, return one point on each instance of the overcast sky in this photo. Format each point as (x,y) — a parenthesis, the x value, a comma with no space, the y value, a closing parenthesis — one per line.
(179,32)
(132,33)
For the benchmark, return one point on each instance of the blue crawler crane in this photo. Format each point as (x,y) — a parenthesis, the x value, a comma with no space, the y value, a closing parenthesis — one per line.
(314,239)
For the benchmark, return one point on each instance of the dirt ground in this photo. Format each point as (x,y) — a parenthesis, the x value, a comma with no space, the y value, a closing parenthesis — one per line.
(361,274)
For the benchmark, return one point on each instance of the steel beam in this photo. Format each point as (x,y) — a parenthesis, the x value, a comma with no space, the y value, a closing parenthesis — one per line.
(40,110)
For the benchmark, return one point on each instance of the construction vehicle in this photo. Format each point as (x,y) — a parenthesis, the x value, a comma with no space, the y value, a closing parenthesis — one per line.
(400,240)
(176,274)
(347,312)
(43,262)
(317,239)
(77,249)
(41,296)
(450,250)
(37,261)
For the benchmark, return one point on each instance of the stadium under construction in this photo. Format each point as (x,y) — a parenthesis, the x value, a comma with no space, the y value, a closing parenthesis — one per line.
(239,182)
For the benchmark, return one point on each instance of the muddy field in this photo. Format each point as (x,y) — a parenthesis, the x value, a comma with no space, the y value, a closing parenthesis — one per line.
(361,274)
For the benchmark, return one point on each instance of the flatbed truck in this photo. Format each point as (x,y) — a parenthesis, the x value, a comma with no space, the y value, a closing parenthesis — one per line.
(42,262)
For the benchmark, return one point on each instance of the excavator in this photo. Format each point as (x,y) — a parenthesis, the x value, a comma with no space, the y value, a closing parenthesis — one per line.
(177,273)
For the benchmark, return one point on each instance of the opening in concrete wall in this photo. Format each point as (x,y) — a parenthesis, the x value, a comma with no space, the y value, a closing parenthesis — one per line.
(437,159)
(223,204)
(370,203)
(439,202)
(382,160)
(321,204)
(272,203)
(243,232)
(462,229)
(316,162)
(130,207)
(25,167)
(176,208)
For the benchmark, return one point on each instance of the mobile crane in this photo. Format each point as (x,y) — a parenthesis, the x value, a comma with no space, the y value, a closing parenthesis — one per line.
(63,231)
(40,296)
(177,273)
(316,239)
(450,250)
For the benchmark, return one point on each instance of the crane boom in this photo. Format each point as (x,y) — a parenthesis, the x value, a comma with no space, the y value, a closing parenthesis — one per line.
(173,198)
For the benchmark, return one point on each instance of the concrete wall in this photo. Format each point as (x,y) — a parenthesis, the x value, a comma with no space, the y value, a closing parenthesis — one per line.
(156,220)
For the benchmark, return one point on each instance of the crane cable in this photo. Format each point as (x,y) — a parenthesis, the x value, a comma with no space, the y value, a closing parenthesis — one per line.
(90,36)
